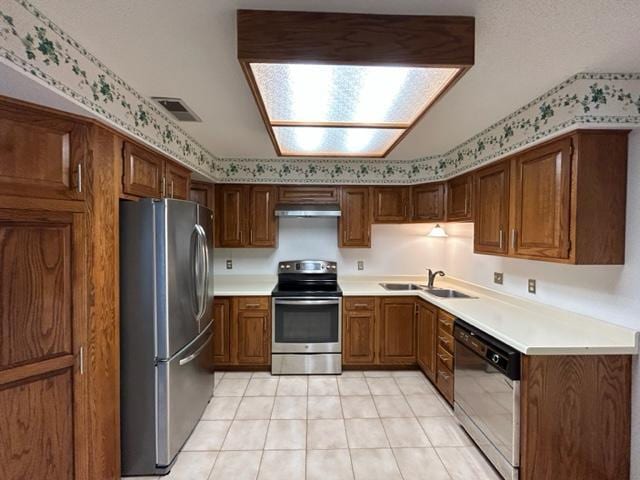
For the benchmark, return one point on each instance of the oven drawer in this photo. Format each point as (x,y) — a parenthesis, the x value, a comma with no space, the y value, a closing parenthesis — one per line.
(444,381)
(445,341)
(445,357)
(359,303)
(253,303)
(445,321)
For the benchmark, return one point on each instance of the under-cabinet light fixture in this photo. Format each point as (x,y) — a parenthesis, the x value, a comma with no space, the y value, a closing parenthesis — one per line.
(437,232)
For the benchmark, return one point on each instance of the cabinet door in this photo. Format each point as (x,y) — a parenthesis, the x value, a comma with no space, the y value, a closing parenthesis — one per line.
(359,337)
(307,194)
(426,341)
(41,156)
(143,172)
(354,226)
(262,221)
(221,331)
(253,337)
(427,203)
(42,333)
(492,209)
(460,199)
(202,193)
(230,216)
(397,330)
(541,189)
(178,180)
(390,204)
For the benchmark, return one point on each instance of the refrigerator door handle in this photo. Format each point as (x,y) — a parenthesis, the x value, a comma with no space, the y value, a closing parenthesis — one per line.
(196,272)
(190,358)
(203,269)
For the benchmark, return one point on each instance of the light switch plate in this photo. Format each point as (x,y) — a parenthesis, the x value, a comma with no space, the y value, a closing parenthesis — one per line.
(229,264)
(497,278)
(532,285)
(360,264)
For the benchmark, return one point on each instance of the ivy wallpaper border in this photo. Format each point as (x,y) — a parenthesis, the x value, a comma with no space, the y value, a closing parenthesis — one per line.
(35,45)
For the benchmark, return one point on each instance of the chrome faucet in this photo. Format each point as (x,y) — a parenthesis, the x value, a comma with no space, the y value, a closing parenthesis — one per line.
(432,276)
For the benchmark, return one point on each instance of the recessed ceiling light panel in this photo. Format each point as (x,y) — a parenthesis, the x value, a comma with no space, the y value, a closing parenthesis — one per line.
(335,141)
(347,94)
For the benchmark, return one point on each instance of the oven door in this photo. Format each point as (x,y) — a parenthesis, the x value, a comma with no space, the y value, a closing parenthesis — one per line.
(307,325)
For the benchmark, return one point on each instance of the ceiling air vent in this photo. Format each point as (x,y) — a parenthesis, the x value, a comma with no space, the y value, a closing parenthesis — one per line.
(177,108)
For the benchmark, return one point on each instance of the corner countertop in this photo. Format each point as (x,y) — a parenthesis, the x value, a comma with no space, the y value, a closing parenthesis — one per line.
(530,327)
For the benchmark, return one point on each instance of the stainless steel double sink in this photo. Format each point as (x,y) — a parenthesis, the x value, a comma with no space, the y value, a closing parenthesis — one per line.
(438,292)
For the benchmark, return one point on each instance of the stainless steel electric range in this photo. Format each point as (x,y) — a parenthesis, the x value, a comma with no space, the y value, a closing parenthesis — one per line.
(307,319)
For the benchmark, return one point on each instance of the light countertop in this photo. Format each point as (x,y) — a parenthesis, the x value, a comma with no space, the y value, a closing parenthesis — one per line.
(530,327)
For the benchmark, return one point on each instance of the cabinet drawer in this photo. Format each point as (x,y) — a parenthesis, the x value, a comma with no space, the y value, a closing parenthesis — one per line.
(445,358)
(253,303)
(445,341)
(444,382)
(445,321)
(359,303)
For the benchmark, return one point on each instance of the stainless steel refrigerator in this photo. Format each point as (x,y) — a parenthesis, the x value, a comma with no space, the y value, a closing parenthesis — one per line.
(166,302)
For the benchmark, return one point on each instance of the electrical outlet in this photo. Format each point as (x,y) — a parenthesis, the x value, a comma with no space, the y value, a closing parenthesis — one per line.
(532,286)
(229,264)
(360,264)
(497,277)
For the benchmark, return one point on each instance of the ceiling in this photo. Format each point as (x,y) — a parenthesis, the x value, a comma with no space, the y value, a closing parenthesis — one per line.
(188,50)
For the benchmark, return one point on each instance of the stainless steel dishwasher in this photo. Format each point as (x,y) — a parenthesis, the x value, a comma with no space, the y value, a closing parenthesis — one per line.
(487,396)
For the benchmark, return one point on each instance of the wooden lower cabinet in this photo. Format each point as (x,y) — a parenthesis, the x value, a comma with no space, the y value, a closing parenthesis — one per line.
(221,331)
(397,330)
(42,334)
(426,332)
(575,417)
(359,328)
(242,332)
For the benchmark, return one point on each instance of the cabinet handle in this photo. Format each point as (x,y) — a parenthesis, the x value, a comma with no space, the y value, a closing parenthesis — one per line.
(252,305)
(501,238)
(79,187)
(164,186)
(444,375)
(513,238)
(360,305)
(81,360)
(171,188)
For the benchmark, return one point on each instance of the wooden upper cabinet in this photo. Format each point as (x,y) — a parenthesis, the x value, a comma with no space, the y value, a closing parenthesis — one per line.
(143,172)
(202,193)
(262,220)
(427,202)
(245,216)
(397,330)
(492,209)
(354,226)
(308,194)
(42,154)
(541,192)
(460,199)
(426,338)
(390,204)
(230,216)
(178,180)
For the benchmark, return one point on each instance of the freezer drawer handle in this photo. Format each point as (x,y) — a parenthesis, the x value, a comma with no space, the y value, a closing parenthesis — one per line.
(192,357)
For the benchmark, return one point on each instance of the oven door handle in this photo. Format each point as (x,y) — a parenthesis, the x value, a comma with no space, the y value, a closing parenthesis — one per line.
(307,302)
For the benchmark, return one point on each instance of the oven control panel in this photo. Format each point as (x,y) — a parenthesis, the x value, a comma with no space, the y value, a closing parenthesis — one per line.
(307,266)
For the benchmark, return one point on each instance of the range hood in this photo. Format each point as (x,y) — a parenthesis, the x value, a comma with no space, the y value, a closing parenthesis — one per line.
(308,210)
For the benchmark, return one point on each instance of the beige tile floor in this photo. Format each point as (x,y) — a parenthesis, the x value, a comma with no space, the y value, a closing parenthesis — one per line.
(357,426)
